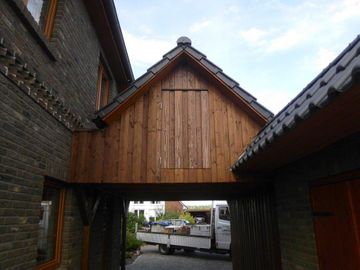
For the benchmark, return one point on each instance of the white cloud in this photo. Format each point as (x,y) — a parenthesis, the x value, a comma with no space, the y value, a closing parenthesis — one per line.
(144,51)
(323,57)
(254,35)
(344,10)
(200,25)
(289,38)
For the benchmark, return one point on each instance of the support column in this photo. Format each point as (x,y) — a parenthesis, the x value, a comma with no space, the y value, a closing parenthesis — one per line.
(254,235)
(113,234)
(124,212)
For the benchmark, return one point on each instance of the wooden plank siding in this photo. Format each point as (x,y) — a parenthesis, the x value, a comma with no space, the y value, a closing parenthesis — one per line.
(182,130)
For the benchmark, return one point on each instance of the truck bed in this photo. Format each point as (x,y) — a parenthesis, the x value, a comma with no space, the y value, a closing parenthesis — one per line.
(178,240)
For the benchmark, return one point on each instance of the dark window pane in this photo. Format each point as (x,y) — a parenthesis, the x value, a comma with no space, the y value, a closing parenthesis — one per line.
(224,213)
(48,225)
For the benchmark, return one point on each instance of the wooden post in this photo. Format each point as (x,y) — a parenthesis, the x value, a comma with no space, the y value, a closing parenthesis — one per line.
(85,248)
(87,211)
(124,212)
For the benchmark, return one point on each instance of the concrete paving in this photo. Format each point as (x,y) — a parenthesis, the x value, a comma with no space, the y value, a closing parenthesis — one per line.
(151,259)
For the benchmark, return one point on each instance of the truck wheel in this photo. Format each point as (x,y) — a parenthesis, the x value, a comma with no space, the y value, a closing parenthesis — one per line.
(165,250)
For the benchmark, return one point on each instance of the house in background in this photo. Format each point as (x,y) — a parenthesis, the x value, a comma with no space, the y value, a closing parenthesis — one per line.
(149,209)
(153,209)
(174,207)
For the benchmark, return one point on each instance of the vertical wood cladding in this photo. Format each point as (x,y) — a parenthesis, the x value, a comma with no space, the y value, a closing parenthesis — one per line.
(254,235)
(174,133)
(185,140)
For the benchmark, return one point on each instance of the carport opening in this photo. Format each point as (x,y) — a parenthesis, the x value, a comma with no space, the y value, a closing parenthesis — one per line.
(196,233)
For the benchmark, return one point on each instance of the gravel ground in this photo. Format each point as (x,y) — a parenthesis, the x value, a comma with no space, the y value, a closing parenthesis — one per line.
(151,259)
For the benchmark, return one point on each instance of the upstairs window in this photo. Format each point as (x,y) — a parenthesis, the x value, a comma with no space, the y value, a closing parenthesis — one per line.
(43,12)
(103,84)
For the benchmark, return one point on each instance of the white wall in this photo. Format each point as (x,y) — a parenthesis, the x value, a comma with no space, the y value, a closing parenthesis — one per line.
(150,208)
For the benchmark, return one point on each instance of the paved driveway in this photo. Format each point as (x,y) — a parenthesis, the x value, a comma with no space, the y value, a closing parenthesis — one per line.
(151,259)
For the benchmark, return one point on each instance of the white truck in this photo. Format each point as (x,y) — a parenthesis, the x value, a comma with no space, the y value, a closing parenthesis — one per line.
(214,237)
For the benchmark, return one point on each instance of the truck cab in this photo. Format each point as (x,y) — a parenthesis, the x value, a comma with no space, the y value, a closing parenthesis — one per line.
(222,227)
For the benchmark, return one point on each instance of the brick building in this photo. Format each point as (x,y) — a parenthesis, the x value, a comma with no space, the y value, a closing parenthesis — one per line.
(60,61)
(63,60)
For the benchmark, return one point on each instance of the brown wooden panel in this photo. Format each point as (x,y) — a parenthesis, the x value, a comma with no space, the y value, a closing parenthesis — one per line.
(138,140)
(334,227)
(354,195)
(178,130)
(190,133)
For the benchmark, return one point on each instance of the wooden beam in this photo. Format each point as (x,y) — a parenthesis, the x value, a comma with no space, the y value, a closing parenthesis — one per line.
(124,212)
(85,248)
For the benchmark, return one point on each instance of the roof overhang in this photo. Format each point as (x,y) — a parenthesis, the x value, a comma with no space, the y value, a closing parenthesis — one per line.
(325,111)
(335,121)
(104,17)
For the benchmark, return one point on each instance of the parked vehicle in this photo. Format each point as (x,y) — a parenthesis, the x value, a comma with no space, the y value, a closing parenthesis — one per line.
(214,237)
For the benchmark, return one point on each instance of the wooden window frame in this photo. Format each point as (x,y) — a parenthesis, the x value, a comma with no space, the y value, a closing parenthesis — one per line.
(102,72)
(55,262)
(50,17)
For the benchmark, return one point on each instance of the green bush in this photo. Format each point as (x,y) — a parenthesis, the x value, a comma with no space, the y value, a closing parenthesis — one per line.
(168,215)
(132,220)
(187,216)
(132,243)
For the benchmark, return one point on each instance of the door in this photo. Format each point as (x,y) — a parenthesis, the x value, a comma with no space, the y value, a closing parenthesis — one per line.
(336,210)
(222,227)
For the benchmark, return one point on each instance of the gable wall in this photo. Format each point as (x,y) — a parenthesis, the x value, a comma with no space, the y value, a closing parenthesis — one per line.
(167,137)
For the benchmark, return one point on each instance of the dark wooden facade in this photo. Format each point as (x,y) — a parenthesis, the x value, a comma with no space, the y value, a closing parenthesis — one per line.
(183,129)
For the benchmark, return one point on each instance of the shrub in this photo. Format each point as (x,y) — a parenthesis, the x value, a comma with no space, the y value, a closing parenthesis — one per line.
(132,243)
(132,220)
(187,216)
(168,215)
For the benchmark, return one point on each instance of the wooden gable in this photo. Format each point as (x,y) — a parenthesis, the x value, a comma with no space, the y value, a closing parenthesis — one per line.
(182,130)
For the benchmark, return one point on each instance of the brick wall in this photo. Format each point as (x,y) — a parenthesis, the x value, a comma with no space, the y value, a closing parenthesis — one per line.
(72,234)
(296,229)
(173,207)
(297,240)
(74,43)
(32,142)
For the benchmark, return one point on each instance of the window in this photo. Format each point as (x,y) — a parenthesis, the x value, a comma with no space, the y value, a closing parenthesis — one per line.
(155,202)
(136,202)
(141,213)
(224,213)
(103,84)
(43,12)
(50,226)
(136,212)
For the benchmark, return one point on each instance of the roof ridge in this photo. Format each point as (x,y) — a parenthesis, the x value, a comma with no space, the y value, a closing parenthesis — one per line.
(184,45)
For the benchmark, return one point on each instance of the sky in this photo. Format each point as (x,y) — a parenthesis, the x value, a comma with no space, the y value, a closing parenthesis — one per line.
(272,48)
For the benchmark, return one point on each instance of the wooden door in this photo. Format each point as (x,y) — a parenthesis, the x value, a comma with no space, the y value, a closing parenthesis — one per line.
(336,209)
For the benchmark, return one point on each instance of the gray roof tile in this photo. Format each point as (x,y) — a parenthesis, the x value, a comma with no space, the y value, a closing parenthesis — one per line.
(210,65)
(174,52)
(227,80)
(159,65)
(143,79)
(245,95)
(195,53)
(153,71)
(334,79)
